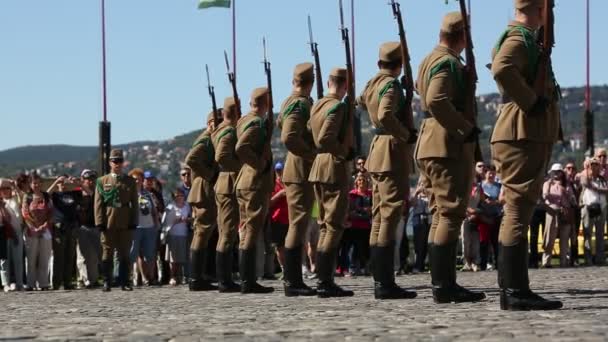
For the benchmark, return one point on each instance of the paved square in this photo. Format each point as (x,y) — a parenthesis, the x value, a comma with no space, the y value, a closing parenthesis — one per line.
(162,314)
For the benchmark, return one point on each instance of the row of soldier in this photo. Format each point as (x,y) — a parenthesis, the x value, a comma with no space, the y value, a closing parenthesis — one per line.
(232,174)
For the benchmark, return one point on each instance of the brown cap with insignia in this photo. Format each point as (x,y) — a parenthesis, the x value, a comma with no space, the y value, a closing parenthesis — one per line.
(116,154)
(304,72)
(338,72)
(452,22)
(390,52)
(521,4)
(258,94)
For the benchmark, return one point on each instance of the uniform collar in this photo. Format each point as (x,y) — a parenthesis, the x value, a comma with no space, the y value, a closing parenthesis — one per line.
(447,50)
(252,113)
(333,96)
(382,72)
(299,94)
(515,23)
(114,175)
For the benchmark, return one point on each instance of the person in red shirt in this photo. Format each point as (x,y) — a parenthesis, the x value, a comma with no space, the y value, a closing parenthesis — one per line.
(279,218)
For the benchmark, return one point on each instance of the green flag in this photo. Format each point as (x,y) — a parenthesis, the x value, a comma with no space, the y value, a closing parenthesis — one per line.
(202,4)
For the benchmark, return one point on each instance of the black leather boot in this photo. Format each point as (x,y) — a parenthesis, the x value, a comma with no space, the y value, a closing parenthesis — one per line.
(223,269)
(247,270)
(383,259)
(123,276)
(292,273)
(197,262)
(515,293)
(443,277)
(107,271)
(326,287)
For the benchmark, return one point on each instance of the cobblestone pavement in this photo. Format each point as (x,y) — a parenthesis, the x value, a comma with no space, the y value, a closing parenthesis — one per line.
(159,314)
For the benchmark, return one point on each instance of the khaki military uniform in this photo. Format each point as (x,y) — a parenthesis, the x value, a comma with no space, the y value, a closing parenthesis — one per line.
(201,160)
(390,156)
(329,171)
(445,160)
(296,135)
(116,210)
(255,180)
(224,141)
(521,144)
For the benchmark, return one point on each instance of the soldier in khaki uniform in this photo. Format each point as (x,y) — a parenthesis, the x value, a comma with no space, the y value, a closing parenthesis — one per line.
(224,141)
(445,155)
(330,179)
(297,138)
(201,160)
(526,129)
(253,185)
(116,214)
(389,163)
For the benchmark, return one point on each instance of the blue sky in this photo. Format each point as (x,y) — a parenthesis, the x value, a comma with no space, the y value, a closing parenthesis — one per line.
(50,59)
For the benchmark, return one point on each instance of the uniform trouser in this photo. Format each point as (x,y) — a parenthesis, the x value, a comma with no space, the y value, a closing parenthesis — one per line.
(64,253)
(38,251)
(227,221)
(299,202)
(449,183)
(88,254)
(204,214)
(14,262)
(521,166)
(389,194)
(254,206)
(553,229)
(119,240)
(333,207)
(588,225)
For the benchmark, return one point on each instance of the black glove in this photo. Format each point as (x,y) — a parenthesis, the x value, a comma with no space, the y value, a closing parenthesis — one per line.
(539,107)
(413,136)
(472,137)
(132,227)
(101,227)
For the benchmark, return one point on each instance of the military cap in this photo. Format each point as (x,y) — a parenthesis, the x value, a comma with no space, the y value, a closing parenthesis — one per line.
(390,52)
(259,93)
(229,104)
(338,72)
(452,22)
(116,154)
(521,4)
(304,72)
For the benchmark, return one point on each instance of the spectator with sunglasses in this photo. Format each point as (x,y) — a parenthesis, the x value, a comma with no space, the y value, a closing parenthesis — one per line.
(88,253)
(185,174)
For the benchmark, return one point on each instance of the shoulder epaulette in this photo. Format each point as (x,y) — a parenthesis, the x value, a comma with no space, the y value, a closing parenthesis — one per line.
(452,66)
(334,109)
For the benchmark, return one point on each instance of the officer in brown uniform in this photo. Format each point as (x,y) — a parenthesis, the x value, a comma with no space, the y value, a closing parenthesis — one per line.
(297,138)
(116,215)
(253,185)
(445,155)
(389,163)
(201,160)
(223,139)
(329,176)
(523,137)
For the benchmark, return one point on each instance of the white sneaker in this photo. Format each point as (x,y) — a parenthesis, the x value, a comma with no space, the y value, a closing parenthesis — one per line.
(7,288)
(466,267)
(475,268)
(490,267)
(13,287)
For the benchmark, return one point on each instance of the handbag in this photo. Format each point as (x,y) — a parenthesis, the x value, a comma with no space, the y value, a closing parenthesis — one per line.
(594,210)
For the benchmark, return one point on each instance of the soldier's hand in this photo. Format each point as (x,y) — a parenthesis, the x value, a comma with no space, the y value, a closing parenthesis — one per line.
(539,107)
(472,137)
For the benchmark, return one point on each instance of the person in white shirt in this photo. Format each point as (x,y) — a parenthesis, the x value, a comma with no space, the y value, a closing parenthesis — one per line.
(593,199)
(11,212)
(175,226)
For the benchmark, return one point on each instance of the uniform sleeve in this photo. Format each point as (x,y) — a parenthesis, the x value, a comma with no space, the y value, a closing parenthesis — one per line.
(328,135)
(197,160)
(245,148)
(291,136)
(508,68)
(99,208)
(224,153)
(386,115)
(440,106)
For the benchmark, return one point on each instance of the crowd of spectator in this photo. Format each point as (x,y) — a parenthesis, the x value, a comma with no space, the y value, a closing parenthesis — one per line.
(48,238)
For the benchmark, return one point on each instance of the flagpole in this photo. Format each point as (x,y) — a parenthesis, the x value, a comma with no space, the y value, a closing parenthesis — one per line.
(104,125)
(352,19)
(588,87)
(103,59)
(234,37)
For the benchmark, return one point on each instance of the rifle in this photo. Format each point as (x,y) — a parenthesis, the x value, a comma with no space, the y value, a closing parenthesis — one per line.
(216,116)
(270,115)
(232,80)
(547,42)
(471,75)
(314,48)
(408,78)
(350,98)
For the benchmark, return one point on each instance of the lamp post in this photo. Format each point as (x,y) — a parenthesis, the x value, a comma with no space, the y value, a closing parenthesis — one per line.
(104,125)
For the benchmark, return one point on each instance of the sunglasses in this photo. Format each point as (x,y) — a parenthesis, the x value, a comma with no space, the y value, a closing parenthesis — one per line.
(116,161)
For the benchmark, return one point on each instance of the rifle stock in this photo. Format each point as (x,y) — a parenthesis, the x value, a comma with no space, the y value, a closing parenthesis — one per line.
(314,48)
(349,138)
(405,56)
